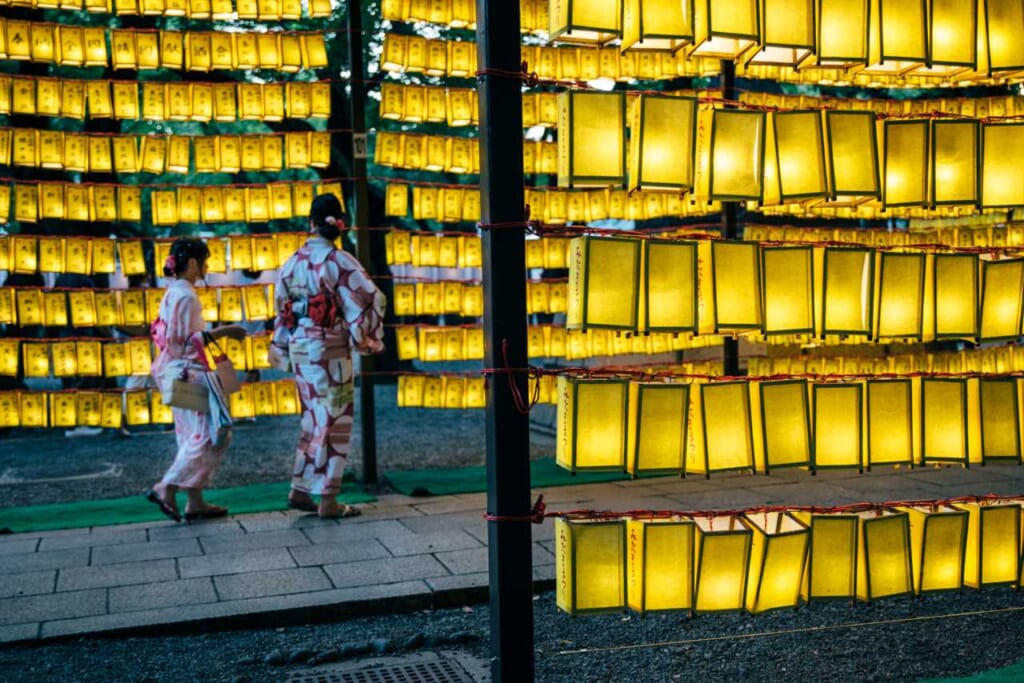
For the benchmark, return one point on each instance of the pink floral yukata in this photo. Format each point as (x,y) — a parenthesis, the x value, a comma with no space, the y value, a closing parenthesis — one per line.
(321,357)
(178,334)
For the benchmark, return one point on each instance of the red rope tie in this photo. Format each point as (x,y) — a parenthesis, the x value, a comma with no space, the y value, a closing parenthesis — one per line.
(536,516)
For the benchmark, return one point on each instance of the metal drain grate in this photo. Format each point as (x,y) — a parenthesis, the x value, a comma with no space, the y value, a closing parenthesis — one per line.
(430,671)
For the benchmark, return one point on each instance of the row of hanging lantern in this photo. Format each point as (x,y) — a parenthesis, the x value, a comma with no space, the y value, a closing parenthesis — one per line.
(158,154)
(760,560)
(217,10)
(404,247)
(533,14)
(438,298)
(24,306)
(163,101)
(842,157)
(713,286)
(988,360)
(87,255)
(113,409)
(200,204)
(995,106)
(101,358)
(450,154)
(979,233)
(140,49)
(645,427)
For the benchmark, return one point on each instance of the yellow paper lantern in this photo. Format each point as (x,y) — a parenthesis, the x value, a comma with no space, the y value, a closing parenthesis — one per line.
(848,295)
(662,143)
(65,360)
(901,295)
(838,425)
(63,411)
(952,37)
(87,406)
(906,163)
(286,397)
(853,156)
(660,564)
(785,424)
(33,409)
(956,287)
(35,359)
(945,420)
(10,409)
(737,155)
(55,309)
(1003,19)
(656,433)
(230,304)
(660,25)
(30,306)
(9,357)
(726,424)
(1002,177)
(410,391)
(955,152)
(159,412)
(788,290)
(590,566)
(800,155)
(111,410)
(938,541)
(778,554)
(832,566)
(591,424)
(116,362)
(1001,291)
(890,425)
(725,29)
(993,543)
(136,407)
(585,21)
(108,312)
(1000,419)
(842,33)
(884,566)
(897,37)
(241,403)
(591,143)
(603,283)
(722,555)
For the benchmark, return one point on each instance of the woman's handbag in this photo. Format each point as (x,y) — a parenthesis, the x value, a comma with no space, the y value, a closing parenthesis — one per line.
(224,368)
(180,393)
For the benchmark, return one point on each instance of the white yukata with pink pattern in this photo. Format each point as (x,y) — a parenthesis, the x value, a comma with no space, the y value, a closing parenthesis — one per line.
(180,341)
(321,357)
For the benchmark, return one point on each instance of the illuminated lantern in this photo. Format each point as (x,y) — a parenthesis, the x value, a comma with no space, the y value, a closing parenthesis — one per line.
(410,391)
(159,412)
(129,203)
(1002,175)
(722,554)
(473,301)
(9,357)
(286,397)
(938,540)
(656,433)
(788,290)
(33,409)
(407,342)
(725,28)
(30,306)
(737,154)
(257,349)
(591,142)
(842,33)
(1004,19)
(906,163)
(591,424)
(263,399)
(670,291)
(884,556)
(778,553)
(51,253)
(993,543)
(736,275)
(890,431)
(853,155)
(955,162)
(454,344)
(111,410)
(837,426)
(62,409)
(1001,289)
(945,426)
(35,359)
(787,32)
(662,25)
(659,564)
(230,304)
(785,424)
(9,409)
(848,290)
(139,355)
(585,21)
(662,144)
(108,312)
(476,393)
(832,566)
(115,360)
(314,51)
(8,315)
(800,155)
(897,37)
(88,408)
(1000,419)
(433,392)
(241,403)
(726,426)
(901,295)
(64,359)
(956,287)
(454,391)
(136,406)
(396,201)
(590,566)
(603,283)
(952,33)
(55,309)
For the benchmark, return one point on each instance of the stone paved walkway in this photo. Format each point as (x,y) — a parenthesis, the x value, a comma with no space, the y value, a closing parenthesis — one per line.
(402,553)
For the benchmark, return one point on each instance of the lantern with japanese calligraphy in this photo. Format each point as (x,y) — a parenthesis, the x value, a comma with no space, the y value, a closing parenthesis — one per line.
(592,424)
(590,566)
(737,154)
(286,397)
(136,407)
(656,432)
(603,283)
(660,564)
(33,409)
(662,143)
(591,143)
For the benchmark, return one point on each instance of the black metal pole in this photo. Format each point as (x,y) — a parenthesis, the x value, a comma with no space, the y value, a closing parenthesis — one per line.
(361,212)
(504,275)
(730,228)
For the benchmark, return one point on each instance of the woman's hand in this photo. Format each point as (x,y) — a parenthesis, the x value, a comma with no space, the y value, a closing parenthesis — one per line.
(236,332)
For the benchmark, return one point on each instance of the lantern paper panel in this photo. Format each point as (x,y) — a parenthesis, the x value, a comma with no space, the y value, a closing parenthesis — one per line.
(722,557)
(945,420)
(1002,174)
(838,425)
(853,156)
(999,403)
(662,142)
(956,287)
(591,424)
(955,160)
(842,33)
(938,542)
(788,274)
(992,555)
(787,32)
(591,140)
(778,554)
(590,566)
(660,565)
(901,295)
(737,285)
(890,422)
(670,294)
(662,25)
(832,568)
(656,434)
(1002,288)
(848,291)
(584,21)
(603,283)
(884,566)
(737,154)
(800,155)
(728,438)
(785,424)
(906,163)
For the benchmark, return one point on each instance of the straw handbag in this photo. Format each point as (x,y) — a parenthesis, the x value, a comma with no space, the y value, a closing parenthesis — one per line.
(181,393)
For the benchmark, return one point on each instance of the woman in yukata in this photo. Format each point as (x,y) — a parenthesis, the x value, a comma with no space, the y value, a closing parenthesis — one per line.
(327,307)
(179,333)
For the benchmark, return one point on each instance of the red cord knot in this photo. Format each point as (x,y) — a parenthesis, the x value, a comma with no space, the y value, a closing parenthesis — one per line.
(536,515)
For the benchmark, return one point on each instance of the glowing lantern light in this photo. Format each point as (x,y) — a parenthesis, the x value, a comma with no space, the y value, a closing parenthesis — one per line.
(725,28)
(111,410)
(88,408)
(800,155)
(1002,174)
(410,391)
(787,32)
(661,146)
(737,285)
(938,540)
(1000,419)
(663,25)
(838,422)
(36,359)
(901,295)
(659,565)
(33,409)
(728,438)
(890,434)
(898,36)
(952,31)
(785,424)
(848,290)
(62,410)
(657,427)
(9,409)
(603,283)
(1004,19)
(993,544)
(842,33)
(590,566)
(955,162)
(945,428)
(1001,289)
(670,295)
(832,567)
(906,163)
(788,290)
(956,287)
(778,553)
(884,563)
(136,406)
(591,424)
(723,550)
(853,156)
(584,21)
(737,154)
(591,140)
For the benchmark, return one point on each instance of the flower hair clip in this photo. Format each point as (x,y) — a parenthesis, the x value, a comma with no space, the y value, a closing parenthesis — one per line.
(330,220)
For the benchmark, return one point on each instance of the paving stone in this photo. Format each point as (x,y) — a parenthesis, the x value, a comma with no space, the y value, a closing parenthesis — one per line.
(262,539)
(18,632)
(332,553)
(56,559)
(52,606)
(464,561)
(380,572)
(445,504)
(278,582)
(122,574)
(356,531)
(137,552)
(165,594)
(29,583)
(470,521)
(544,573)
(12,545)
(111,536)
(430,543)
(209,528)
(459,582)
(235,563)
(293,519)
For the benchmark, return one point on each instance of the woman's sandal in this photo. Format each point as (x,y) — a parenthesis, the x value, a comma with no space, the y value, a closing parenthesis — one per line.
(164,506)
(212,512)
(344,510)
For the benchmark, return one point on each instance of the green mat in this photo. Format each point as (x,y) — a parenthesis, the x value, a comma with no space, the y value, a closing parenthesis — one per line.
(543,473)
(1009,674)
(239,500)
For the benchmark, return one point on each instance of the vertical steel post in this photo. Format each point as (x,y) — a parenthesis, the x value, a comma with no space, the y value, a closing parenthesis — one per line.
(730,229)
(504,275)
(361,212)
